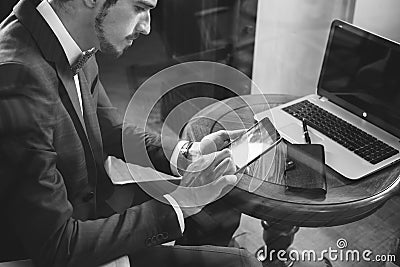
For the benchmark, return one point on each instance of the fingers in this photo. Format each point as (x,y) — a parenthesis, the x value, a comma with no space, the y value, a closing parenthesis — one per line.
(222,135)
(236,133)
(208,145)
(225,180)
(227,136)
(225,167)
(218,140)
(208,163)
(216,164)
(231,179)
(221,156)
(220,184)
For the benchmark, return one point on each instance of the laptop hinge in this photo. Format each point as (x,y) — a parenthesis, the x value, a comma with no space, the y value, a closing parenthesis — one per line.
(323,99)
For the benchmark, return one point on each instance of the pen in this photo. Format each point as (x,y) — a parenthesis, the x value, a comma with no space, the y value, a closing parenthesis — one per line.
(305,131)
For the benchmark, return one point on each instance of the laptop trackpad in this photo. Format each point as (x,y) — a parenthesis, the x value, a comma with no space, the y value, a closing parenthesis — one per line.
(293,132)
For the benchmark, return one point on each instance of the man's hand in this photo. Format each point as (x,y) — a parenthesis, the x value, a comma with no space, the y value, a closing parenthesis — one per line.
(204,181)
(210,143)
(218,140)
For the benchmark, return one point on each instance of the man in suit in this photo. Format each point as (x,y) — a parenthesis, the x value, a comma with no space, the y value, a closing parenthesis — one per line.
(57,126)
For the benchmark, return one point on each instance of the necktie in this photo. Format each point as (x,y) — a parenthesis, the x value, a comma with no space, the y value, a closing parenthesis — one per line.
(86,55)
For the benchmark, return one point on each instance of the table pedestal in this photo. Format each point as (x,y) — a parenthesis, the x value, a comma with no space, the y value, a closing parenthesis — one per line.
(277,238)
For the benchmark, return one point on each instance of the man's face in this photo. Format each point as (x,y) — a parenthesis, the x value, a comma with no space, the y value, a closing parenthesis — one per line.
(117,26)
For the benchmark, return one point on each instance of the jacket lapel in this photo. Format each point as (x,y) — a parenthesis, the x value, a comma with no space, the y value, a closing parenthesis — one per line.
(90,114)
(51,49)
(63,72)
(88,76)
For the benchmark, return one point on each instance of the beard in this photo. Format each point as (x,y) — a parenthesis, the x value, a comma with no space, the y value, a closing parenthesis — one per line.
(105,45)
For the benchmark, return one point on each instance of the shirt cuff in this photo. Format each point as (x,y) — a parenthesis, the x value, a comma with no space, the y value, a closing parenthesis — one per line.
(178,211)
(174,157)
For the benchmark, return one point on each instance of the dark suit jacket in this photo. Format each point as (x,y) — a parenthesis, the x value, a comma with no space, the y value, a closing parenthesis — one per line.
(53,184)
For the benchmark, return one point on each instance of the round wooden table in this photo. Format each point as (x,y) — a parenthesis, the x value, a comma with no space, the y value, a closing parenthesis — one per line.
(346,200)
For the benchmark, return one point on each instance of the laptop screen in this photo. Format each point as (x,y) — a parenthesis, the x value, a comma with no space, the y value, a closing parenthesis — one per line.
(361,73)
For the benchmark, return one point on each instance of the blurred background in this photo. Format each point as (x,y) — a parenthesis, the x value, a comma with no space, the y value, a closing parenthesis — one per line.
(277,43)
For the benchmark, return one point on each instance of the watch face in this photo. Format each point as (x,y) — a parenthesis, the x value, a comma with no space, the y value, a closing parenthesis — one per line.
(185,149)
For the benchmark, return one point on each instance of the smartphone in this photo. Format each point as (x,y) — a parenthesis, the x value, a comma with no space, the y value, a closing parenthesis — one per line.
(254,143)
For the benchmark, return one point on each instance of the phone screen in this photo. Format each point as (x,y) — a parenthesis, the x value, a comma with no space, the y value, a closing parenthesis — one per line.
(255,142)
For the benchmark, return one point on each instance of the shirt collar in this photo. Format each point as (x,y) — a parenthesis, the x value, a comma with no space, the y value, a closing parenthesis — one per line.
(70,47)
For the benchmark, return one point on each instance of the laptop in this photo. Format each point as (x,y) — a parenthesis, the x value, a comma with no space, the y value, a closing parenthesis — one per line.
(355,112)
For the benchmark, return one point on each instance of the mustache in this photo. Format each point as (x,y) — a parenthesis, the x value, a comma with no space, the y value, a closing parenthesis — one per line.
(133,36)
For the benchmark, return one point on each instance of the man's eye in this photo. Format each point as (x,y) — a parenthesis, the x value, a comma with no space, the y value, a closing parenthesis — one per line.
(139,9)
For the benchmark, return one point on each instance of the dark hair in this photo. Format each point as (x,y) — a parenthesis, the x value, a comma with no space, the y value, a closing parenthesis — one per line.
(107,3)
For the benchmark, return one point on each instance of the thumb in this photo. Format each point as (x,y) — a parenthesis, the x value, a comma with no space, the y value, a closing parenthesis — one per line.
(230,179)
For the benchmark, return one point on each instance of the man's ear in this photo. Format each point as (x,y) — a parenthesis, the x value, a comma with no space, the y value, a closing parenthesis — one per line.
(90,3)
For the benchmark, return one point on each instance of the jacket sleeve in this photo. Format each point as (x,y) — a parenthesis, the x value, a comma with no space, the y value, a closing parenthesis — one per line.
(38,209)
(125,141)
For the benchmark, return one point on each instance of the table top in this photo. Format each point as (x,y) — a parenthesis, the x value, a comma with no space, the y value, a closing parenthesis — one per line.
(346,200)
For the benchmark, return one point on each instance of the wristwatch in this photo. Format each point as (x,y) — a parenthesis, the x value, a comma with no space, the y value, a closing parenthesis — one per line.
(185,150)
(189,152)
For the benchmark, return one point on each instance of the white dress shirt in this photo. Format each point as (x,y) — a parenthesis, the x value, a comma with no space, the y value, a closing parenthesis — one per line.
(73,52)
(70,47)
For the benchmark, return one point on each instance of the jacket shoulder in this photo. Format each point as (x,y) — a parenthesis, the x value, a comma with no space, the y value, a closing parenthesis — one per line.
(18,45)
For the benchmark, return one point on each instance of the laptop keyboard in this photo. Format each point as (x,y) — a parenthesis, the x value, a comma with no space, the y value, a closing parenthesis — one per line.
(342,132)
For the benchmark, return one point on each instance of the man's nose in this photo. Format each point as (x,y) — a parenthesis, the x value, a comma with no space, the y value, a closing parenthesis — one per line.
(144,25)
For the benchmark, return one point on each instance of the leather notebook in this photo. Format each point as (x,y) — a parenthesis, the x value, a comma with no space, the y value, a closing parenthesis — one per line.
(307,169)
